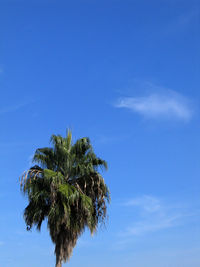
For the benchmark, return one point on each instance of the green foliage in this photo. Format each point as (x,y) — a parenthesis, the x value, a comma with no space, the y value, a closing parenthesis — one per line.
(66,189)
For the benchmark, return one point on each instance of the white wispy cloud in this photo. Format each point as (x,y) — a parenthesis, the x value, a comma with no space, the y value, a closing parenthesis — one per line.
(154,215)
(154,224)
(183,22)
(12,108)
(163,104)
(12,144)
(105,139)
(147,203)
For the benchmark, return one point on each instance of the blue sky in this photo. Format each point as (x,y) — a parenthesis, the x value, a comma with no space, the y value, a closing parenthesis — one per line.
(126,74)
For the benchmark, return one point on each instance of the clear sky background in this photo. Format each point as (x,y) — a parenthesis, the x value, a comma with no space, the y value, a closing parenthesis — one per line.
(126,74)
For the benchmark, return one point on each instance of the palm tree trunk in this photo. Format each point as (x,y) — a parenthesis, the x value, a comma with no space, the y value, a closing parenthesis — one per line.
(58,261)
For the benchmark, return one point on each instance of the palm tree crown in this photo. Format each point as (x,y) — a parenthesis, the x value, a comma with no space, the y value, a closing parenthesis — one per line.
(66,188)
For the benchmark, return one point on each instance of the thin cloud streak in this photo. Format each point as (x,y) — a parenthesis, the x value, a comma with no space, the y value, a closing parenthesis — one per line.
(12,144)
(154,215)
(158,105)
(11,108)
(156,224)
(148,203)
(183,22)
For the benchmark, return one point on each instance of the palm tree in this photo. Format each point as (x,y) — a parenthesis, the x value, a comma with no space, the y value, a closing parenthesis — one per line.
(66,189)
